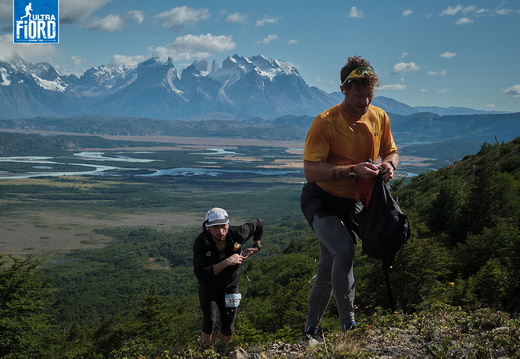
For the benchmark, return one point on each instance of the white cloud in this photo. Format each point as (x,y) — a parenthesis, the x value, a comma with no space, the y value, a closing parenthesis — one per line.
(31,52)
(464,10)
(355,13)
(292,42)
(513,90)
(130,61)
(448,55)
(6,10)
(490,105)
(267,20)
(438,73)
(72,11)
(454,10)
(237,17)
(424,90)
(482,12)
(407,13)
(110,23)
(443,91)
(451,10)
(504,11)
(77,60)
(463,21)
(179,17)
(266,40)
(395,87)
(136,15)
(193,46)
(403,67)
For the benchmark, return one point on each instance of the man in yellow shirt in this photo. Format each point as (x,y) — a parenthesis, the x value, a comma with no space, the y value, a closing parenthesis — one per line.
(342,146)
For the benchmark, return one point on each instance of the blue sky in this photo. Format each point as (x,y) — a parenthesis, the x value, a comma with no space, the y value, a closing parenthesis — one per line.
(427,53)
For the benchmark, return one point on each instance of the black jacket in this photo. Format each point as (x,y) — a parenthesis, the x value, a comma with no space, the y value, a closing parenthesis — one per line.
(206,254)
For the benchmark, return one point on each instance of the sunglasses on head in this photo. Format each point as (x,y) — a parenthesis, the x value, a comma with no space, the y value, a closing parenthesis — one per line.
(357,73)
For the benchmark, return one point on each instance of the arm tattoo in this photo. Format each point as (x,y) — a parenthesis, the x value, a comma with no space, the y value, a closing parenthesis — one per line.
(336,173)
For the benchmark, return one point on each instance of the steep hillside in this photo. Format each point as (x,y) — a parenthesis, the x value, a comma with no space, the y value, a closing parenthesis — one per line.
(455,282)
(469,213)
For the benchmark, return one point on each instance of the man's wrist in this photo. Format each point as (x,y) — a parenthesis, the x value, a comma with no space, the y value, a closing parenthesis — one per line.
(257,245)
(392,164)
(339,172)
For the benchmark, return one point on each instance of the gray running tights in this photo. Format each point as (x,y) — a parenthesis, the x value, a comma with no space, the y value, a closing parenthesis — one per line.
(335,272)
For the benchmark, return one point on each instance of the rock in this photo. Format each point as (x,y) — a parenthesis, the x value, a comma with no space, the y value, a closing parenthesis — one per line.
(238,353)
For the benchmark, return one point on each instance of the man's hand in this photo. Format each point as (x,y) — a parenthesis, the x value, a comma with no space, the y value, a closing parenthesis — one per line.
(366,170)
(388,170)
(235,259)
(249,252)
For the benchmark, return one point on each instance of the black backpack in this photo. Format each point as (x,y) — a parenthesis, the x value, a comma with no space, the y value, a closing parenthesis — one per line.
(383,228)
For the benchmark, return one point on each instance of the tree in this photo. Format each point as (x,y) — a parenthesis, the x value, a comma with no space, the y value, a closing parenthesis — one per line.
(489,284)
(23,297)
(279,291)
(445,210)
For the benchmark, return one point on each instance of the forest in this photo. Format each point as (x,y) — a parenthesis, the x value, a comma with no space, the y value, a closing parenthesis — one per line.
(456,280)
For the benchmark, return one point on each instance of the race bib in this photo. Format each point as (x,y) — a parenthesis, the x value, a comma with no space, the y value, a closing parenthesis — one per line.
(233,299)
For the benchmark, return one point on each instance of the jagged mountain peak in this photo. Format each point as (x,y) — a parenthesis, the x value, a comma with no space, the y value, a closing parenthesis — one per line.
(264,66)
(243,86)
(156,62)
(155,71)
(45,71)
(197,68)
(15,63)
(214,66)
(201,65)
(98,80)
(254,86)
(272,67)
(48,77)
(103,71)
(235,62)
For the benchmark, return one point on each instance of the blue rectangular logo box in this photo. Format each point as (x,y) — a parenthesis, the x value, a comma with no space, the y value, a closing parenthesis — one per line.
(35,21)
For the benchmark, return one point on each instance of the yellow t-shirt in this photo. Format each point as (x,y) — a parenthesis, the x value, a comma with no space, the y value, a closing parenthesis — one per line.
(336,138)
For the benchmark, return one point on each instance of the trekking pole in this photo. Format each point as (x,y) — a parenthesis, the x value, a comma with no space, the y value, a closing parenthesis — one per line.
(388,286)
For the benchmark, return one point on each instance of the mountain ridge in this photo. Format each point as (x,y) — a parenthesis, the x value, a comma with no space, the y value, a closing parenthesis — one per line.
(418,128)
(243,87)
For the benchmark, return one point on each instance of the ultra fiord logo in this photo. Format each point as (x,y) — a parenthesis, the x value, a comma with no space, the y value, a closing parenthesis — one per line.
(35,21)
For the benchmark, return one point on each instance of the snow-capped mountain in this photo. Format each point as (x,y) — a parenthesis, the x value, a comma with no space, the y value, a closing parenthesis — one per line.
(255,86)
(100,80)
(28,90)
(243,87)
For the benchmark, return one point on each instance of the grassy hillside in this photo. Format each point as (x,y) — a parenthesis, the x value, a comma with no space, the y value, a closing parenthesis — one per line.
(455,281)
(469,212)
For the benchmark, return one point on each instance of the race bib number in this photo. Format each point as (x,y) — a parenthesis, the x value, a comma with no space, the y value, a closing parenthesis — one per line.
(233,300)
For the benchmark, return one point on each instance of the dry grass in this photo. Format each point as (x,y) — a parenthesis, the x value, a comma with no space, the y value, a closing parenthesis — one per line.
(48,233)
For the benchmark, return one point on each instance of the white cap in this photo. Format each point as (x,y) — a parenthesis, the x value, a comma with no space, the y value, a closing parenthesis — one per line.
(216,216)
